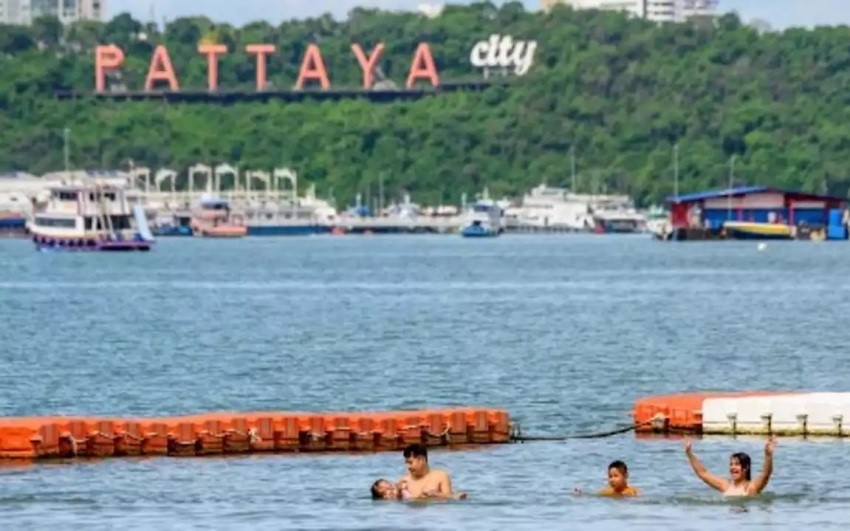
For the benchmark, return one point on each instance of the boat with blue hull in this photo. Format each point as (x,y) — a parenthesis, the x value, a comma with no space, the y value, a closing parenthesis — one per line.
(12,224)
(483,220)
(91,217)
(292,216)
(477,230)
(173,231)
(15,210)
(175,225)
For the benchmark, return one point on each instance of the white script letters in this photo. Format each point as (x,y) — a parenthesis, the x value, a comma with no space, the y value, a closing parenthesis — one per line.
(503,52)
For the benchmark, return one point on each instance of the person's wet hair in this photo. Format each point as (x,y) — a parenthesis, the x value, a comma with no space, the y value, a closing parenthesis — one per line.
(621,466)
(376,493)
(744,460)
(416,450)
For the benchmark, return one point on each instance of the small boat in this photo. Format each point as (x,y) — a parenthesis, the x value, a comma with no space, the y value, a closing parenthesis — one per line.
(15,210)
(214,219)
(752,230)
(12,223)
(618,221)
(90,217)
(177,224)
(483,220)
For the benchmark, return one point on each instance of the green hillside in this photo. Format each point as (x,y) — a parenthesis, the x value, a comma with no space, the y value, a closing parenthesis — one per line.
(621,92)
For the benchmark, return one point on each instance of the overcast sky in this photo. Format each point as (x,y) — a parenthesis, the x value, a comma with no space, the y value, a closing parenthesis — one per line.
(779,13)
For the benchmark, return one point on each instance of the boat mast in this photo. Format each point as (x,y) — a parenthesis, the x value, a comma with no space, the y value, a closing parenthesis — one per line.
(66,134)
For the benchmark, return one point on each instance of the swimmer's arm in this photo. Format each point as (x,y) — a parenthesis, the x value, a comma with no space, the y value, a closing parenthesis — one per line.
(702,473)
(446,484)
(444,487)
(760,482)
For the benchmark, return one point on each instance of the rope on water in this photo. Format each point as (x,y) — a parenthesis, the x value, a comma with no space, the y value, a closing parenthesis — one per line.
(517,435)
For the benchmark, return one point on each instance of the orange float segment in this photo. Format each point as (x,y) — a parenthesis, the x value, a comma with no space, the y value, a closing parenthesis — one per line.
(501,423)
(411,429)
(128,439)
(265,438)
(435,425)
(154,438)
(288,438)
(457,425)
(22,437)
(364,434)
(340,433)
(388,434)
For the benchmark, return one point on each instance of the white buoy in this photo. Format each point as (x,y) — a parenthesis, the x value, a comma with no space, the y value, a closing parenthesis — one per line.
(762,246)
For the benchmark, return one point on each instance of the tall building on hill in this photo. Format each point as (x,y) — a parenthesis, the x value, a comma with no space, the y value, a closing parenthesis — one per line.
(655,10)
(24,11)
(11,11)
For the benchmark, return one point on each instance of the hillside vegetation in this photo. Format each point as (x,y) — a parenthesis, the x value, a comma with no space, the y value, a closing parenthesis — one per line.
(619,92)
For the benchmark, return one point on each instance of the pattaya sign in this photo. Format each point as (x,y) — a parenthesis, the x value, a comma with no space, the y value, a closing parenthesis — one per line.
(161,70)
(503,53)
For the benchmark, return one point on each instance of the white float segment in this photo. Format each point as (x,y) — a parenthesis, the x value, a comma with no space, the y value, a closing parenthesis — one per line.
(822,413)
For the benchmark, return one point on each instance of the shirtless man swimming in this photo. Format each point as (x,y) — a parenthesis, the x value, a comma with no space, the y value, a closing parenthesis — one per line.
(423,482)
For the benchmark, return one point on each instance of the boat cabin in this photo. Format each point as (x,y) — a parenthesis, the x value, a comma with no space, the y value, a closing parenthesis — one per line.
(85,208)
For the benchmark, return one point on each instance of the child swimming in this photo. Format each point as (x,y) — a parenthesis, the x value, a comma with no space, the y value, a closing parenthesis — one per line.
(384,490)
(618,482)
(740,482)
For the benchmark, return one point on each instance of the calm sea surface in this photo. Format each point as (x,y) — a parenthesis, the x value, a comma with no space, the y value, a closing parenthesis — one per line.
(563,331)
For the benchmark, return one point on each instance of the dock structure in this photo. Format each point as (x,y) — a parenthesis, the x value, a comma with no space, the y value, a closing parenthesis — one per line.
(395,225)
(536,229)
(268,203)
(791,413)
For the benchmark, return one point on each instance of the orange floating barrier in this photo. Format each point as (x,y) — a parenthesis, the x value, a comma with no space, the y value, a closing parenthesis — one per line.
(364,437)
(128,439)
(241,433)
(681,412)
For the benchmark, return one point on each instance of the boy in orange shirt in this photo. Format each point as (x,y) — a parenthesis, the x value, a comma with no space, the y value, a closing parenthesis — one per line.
(618,481)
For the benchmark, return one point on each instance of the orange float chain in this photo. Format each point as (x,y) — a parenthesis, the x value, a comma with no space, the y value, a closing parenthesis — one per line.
(241,433)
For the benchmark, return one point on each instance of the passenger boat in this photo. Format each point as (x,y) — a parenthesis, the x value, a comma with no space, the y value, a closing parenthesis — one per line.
(290,215)
(280,219)
(90,216)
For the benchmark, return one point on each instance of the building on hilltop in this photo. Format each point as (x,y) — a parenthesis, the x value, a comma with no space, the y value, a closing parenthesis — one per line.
(431,9)
(655,10)
(23,12)
(11,11)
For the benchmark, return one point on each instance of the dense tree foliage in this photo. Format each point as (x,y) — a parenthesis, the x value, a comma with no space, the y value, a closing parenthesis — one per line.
(619,92)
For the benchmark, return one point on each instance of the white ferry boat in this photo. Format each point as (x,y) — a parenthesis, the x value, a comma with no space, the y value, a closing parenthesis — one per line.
(546,207)
(90,216)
